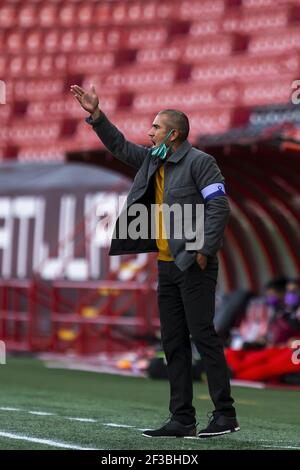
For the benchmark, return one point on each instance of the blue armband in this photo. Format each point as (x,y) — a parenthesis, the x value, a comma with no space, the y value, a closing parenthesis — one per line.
(213,190)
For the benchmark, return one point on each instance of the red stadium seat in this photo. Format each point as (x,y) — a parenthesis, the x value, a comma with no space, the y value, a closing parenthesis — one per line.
(67,15)
(188,50)
(210,121)
(190,9)
(124,13)
(65,106)
(52,41)
(68,40)
(85,14)
(146,13)
(91,62)
(52,109)
(41,153)
(85,136)
(138,77)
(27,16)
(3,66)
(16,66)
(7,16)
(97,42)
(154,35)
(14,42)
(187,97)
(267,92)
(38,88)
(102,13)
(47,15)
(263,19)
(203,28)
(2,41)
(244,68)
(261,3)
(32,133)
(212,56)
(137,12)
(5,113)
(33,41)
(83,40)
(37,65)
(280,41)
(153,56)
(98,81)
(216,46)
(119,13)
(72,40)
(21,133)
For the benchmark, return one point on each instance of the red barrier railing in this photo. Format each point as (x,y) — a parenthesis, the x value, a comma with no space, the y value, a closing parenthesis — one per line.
(60,317)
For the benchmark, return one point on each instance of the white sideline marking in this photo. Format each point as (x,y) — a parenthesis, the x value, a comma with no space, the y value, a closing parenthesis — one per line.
(42,413)
(85,420)
(247,383)
(8,408)
(114,425)
(46,413)
(47,442)
(283,447)
(70,418)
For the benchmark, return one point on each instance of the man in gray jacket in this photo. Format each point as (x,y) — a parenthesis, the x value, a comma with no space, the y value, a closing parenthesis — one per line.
(173,173)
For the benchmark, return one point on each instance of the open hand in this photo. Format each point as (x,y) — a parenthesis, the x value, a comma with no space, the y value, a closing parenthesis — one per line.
(88,100)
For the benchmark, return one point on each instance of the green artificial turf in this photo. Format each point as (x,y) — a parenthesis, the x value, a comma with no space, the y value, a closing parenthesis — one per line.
(268,418)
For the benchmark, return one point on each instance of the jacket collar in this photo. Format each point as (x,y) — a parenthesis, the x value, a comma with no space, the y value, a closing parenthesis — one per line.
(180,152)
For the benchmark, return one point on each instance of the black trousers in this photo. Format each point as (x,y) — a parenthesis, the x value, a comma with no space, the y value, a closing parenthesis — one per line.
(186,303)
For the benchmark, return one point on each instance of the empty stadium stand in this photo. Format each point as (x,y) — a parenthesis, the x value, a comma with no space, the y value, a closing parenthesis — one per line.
(206,57)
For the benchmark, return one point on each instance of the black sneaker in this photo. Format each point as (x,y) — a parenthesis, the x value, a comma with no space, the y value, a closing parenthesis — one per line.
(173,429)
(219,424)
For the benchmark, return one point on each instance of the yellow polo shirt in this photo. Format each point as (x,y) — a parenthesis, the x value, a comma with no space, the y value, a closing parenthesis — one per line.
(164,253)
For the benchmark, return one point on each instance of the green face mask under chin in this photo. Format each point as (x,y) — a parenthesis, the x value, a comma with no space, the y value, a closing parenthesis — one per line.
(161,151)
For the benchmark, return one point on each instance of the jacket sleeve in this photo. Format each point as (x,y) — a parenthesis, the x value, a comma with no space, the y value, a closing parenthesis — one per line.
(129,153)
(206,174)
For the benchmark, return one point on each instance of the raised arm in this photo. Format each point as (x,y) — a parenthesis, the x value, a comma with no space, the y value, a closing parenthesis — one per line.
(128,152)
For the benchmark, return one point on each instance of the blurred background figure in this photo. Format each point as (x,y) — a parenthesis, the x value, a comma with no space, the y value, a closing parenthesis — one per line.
(292,296)
(260,313)
(286,323)
(260,348)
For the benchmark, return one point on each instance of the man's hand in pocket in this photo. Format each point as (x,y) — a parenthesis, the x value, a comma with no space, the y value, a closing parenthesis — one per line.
(201,260)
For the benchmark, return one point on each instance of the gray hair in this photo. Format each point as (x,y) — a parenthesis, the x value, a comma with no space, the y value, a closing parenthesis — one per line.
(179,121)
